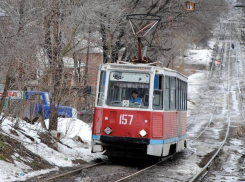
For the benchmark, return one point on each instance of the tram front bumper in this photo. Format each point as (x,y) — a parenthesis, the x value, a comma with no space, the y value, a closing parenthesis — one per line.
(113,139)
(96,146)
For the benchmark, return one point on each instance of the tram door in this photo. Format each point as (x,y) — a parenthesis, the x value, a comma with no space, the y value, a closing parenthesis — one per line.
(170,107)
(178,106)
(158,117)
(181,104)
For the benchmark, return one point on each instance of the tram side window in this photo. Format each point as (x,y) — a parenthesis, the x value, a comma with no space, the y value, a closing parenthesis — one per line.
(177,94)
(172,93)
(101,88)
(185,91)
(180,95)
(167,93)
(185,95)
(184,100)
(158,92)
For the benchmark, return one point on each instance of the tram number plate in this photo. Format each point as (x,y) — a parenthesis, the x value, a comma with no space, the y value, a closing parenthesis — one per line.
(124,118)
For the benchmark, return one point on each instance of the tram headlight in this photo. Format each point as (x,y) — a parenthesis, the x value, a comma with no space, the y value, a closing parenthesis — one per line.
(143,133)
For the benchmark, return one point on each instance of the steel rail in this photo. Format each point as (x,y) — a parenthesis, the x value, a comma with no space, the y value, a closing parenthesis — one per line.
(142,170)
(209,79)
(69,173)
(212,115)
(210,120)
(205,169)
(214,103)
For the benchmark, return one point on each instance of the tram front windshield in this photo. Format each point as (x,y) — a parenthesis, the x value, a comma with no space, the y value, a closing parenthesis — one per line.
(128,90)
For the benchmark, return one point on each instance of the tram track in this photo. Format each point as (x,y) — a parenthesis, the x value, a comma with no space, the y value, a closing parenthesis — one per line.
(220,54)
(203,172)
(143,170)
(205,169)
(236,115)
(210,76)
(77,172)
(72,172)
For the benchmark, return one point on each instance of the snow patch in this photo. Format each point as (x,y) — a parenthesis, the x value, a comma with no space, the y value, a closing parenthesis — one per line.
(71,130)
(236,142)
(199,56)
(190,168)
(197,77)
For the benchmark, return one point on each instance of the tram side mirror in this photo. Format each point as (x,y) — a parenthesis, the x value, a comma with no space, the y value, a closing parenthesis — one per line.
(88,90)
(146,98)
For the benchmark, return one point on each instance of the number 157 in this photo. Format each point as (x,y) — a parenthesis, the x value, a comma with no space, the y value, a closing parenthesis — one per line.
(124,119)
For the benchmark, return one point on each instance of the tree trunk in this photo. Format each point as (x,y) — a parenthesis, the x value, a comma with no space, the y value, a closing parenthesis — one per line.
(6,87)
(87,60)
(55,83)
(104,43)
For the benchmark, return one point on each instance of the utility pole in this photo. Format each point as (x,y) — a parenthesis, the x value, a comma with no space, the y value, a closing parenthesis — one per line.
(86,69)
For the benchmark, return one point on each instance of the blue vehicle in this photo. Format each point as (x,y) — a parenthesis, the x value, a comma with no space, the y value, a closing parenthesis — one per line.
(38,105)
(32,105)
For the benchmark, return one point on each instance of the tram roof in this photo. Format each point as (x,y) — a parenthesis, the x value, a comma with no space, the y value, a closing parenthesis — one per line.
(138,67)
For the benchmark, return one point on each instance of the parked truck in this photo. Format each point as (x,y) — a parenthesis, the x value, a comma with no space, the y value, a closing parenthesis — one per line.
(32,105)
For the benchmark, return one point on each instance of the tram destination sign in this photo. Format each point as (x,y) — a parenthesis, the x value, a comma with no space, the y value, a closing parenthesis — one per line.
(130,77)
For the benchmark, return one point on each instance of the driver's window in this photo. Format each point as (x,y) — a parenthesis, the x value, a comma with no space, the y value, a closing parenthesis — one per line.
(121,87)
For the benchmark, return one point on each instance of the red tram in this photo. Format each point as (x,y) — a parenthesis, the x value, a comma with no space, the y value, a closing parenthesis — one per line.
(153,125)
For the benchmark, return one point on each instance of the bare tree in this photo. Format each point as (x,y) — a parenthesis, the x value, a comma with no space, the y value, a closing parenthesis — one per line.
(177,29)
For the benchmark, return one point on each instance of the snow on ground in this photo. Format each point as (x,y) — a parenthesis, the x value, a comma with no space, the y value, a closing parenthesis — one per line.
(235,104)
(197,128)
(198,56)
(18,172)
(190,168)
(195,82)
(211,43)
(199,78)
(70,130)
(235,141)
